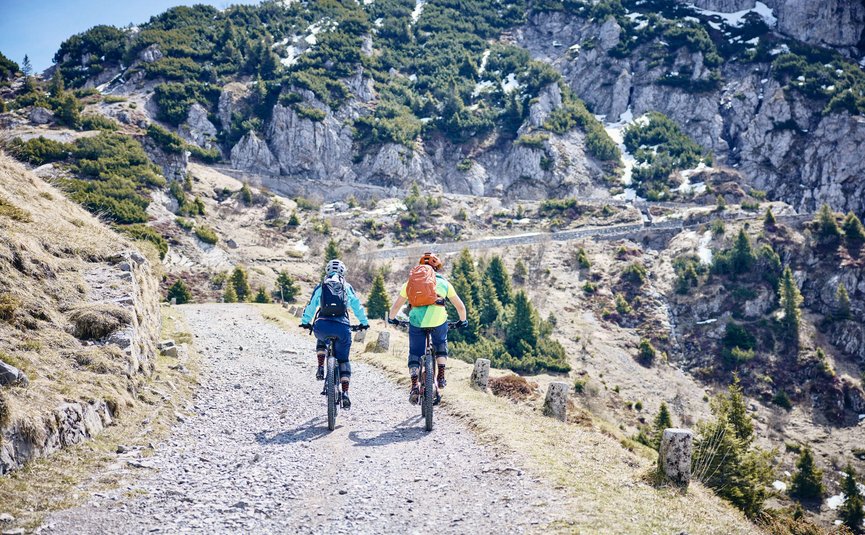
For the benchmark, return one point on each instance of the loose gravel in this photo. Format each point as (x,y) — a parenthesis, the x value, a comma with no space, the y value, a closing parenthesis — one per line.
(254,455)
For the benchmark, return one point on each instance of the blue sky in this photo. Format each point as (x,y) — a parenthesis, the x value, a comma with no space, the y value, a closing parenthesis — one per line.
(37,27)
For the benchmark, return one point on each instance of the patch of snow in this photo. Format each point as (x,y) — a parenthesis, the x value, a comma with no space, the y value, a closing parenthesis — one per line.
(311,39)
(484,57)
(510,83)
(576,48)
(737,19)
(292,53)
(418,9)
(715,25)
(482,87)
(707,322)
(703,249)
(413,77)
(780,486)
(378,22)
(753,41)
(616,133)
(834,502)
(801,78)
(368,2)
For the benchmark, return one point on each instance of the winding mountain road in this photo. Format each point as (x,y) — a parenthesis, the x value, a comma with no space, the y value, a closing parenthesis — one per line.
(256,456)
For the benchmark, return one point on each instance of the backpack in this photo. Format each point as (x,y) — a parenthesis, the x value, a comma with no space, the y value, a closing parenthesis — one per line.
(334,298)
(421,287)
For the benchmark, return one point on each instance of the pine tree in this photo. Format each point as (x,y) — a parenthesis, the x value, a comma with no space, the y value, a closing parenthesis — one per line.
(180,292)
(465,266)
(769,265)
(853,229)
(331,252)
(733,407)
(286,287)
(790,299)
(241,284)
(842,309)
(230,295)
(827,225)
(378,304)
(743,254)
(293,220)
(520,272)
(463,288)
(807,482)
(57,87)
(262,297)
(501,281)
(68,111)
(769,220)
(26,66)
(663,420)
(522,330)
(490,306)
(851,513)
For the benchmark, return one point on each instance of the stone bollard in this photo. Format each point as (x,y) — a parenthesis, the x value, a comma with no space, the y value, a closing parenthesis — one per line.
(360,336)
(383,342)
(674,456)
(556,402)
(173,301)
(292,310)
(298,312)
(481,374)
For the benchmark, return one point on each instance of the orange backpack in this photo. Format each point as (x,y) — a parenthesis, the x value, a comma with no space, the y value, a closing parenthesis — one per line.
(421,287)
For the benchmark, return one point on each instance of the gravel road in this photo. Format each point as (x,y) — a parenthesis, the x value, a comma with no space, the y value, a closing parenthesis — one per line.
(255,456)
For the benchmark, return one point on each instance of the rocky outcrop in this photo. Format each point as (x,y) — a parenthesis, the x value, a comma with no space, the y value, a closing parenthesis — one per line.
(173,165)
(197,128)
(724,6)
(835,23)
(780,141)
(40,115)
(150,54)
(231,102)
(252,154)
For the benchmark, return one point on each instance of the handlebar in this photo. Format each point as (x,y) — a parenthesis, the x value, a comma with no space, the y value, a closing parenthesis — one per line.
(352,328)
(402,323)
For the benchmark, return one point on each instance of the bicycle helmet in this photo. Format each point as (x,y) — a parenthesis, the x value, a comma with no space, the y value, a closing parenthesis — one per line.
(431,260)
(335,266)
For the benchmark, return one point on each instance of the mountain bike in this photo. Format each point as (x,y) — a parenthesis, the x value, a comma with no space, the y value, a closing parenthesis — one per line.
(429,390)
(332,380)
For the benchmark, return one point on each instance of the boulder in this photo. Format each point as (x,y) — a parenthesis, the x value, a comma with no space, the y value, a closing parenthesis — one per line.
(197,128)
(674,456)
(40,115)
(10,375)
(481,374)
(252,154)
(383,342)
(556,402)
(360,336)
(150,54)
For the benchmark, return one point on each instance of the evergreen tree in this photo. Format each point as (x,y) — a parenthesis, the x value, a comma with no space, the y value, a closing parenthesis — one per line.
(768,264)
(733,407)
(522,331)
(241,284)
(490,306)
(742,258)
(583,259)
(663,420)
(246,194)
(769,220)
(464,266)
(268,63)
(262,297)
(470,334)
(331,252)
(499,278)
(842,309)
(68,111)
(851,513)
(26,66)
(520,272)
(230,295)
(57,87)
(827,225)
(790,299)
(853,230)
(286,287)
(180,292)
(293,220)
(807,482)
(378,304)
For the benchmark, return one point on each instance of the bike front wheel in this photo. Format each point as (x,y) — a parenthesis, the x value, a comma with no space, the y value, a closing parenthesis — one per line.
(330,387)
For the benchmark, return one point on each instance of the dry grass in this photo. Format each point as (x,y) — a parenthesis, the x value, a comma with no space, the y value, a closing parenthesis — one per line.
(98,320)
(604,480)
(513,387)
(67,478)
(11,211)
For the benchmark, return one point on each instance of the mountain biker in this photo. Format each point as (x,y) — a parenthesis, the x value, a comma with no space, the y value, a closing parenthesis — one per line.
(433,316)
(330,319)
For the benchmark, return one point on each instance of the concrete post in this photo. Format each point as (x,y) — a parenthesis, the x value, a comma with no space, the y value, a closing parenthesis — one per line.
(481,374)
(674,456)
(556,402)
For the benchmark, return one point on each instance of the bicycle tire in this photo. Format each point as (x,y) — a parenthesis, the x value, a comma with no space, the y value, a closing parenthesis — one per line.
(330,386)
(429,392)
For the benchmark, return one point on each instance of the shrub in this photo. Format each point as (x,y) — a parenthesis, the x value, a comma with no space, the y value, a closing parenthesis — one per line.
(647,352)
(39,151)
(9,305)
(635,274)
(240,284)
(98,122)
(13,212)
(180,292)
(207,235)
(145,233)
(262,297)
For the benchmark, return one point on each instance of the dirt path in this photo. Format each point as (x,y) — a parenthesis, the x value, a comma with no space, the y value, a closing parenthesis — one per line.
(256,455)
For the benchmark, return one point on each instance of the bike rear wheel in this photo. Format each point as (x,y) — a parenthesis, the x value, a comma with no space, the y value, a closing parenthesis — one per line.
(330,387)
(429,392)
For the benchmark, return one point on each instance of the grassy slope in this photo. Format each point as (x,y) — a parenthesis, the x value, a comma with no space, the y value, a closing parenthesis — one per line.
(608,485)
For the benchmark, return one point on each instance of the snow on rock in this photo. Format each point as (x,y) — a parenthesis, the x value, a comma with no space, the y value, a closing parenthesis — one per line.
(510,83)
(418,9)
(737,18)
(780,486)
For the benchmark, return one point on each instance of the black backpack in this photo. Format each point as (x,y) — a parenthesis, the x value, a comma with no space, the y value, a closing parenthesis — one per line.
(334,300)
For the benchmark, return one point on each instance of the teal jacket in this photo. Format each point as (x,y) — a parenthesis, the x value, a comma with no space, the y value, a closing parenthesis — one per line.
(309,313)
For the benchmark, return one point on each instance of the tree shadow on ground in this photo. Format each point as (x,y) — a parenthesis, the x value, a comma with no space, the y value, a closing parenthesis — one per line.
(407,430)
(310,430)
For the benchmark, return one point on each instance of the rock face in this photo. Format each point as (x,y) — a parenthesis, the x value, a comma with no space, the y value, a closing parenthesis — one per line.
(779,140)
(725,6)
(231,102)
(197,128)
(252,154)
(173,165)
(40,115)
(674,456)
(835,23)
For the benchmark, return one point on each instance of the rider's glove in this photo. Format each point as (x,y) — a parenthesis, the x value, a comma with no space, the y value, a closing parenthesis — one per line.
(363,327)
(462,324)
(393,321)
(306,326)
